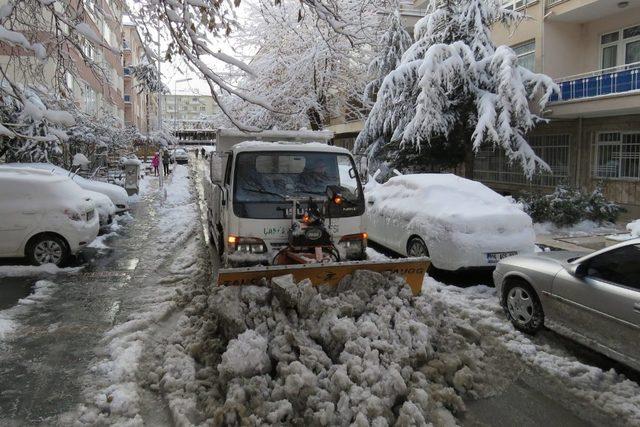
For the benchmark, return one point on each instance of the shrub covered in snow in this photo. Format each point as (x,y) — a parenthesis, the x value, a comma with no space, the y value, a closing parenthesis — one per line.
(568,206)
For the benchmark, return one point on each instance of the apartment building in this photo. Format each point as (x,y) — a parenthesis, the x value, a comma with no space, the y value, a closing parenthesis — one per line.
(591,48)
(92,93)
(187,111)
(140,107)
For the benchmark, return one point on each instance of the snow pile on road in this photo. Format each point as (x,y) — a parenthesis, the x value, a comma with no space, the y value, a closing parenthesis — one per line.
(364,352)
(10,318)
(600,396)
(634,228)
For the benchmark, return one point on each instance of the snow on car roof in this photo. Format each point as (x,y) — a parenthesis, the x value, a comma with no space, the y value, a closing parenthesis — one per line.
(438,195)
(29,174)
(293,145)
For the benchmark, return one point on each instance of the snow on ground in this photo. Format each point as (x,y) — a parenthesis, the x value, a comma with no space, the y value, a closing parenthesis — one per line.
(287,353)
(582,229)
(32,270)
(115,388)
(608,391)
(10,318)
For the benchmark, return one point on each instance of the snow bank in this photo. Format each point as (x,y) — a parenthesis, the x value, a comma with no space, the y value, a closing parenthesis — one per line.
(591,391)
(634,228)
(30,270)
(364,352)
(581,229)
(10,318)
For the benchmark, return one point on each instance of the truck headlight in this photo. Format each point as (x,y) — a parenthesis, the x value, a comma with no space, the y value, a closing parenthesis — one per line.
(354,245)
(248,245)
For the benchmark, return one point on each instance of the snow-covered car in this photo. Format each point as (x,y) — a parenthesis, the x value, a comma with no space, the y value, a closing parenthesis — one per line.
(180,156)
(45,217)
(592,298)
(118,195)
(457,222)
(105,207)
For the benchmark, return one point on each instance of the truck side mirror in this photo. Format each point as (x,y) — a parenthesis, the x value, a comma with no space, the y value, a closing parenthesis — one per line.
(216,166)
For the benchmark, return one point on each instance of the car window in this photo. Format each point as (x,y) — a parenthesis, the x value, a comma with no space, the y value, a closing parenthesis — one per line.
(620,266)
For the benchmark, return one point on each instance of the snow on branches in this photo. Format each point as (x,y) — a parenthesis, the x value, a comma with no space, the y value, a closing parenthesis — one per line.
(453,86)
(393,44)
(304,69)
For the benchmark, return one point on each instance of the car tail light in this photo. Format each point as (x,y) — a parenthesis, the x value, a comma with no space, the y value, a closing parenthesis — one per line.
(249,245)
(72,215)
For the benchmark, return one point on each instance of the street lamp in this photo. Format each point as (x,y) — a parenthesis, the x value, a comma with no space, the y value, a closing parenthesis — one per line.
(175,101)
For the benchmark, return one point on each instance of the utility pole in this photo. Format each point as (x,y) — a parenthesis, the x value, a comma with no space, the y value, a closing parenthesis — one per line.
(159,60)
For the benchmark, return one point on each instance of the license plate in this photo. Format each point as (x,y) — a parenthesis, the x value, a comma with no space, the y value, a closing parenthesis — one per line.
(494,257)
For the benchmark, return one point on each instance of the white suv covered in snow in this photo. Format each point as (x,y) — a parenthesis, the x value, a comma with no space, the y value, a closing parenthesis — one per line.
(457,222)
(45,217)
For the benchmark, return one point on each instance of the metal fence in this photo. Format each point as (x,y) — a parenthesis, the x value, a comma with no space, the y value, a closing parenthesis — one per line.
(621,79)
(494,166)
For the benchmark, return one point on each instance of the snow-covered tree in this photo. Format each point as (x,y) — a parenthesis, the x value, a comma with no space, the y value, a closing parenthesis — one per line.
(455,91)
(393,44)
(304,69)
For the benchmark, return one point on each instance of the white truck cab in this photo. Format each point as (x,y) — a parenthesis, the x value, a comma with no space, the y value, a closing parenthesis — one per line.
(254,177)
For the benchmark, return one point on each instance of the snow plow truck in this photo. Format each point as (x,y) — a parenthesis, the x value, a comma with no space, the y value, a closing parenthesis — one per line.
(289,202)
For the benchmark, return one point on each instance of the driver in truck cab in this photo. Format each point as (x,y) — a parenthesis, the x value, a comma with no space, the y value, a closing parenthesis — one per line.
(316,175)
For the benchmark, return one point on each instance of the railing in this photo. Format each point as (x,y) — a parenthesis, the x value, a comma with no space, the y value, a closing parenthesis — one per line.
(609,81)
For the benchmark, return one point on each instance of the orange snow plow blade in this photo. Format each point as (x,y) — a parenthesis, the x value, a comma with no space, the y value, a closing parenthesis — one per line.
(412,270)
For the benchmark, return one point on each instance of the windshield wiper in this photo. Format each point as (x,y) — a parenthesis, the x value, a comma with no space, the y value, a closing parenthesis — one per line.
(263,191)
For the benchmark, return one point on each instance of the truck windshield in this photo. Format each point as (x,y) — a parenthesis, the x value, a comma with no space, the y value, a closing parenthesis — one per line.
(271,177)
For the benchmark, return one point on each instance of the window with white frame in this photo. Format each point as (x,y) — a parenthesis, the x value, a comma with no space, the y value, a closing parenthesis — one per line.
(526,53)
(90,98)
(620,47)
(617,155)
(515,4)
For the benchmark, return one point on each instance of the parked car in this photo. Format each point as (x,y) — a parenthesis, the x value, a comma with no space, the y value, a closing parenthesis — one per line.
(594,298)
(180,156)
(117,194)
(105,208)
(457,222)
(45,217)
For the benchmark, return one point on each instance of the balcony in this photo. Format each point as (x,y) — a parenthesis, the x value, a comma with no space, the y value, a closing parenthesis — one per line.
(580,11)
(598,92)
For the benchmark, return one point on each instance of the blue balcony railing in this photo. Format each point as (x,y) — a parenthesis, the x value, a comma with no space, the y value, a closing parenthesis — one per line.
(610,81)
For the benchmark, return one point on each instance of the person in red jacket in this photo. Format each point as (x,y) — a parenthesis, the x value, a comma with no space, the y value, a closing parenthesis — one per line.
(155,162)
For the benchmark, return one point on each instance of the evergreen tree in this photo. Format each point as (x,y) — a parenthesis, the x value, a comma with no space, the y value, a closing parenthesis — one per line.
(454,91)
(393,44)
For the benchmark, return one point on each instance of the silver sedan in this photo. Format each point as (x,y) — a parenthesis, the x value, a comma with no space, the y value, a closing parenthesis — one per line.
(594,298)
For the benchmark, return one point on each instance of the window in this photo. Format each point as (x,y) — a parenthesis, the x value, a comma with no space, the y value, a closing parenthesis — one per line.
(526,53)
(494,166)
(620,47)
(127,71)
(127,98)
(618,155)
(621,266)
(515,4)
(90,98)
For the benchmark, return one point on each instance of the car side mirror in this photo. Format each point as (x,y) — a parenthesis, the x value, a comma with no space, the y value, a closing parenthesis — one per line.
(578,270)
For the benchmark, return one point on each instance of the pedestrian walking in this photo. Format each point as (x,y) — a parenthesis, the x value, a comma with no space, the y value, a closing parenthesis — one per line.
(203,152)
(166,159)
(155,162)
(197,152)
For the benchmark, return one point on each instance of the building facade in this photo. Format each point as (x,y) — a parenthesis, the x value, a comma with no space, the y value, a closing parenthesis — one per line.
(591,48)
(187,111)
(140,106)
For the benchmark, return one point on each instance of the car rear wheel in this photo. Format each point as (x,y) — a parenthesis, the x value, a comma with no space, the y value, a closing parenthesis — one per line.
(417,248)
(47,249)
(523,307)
